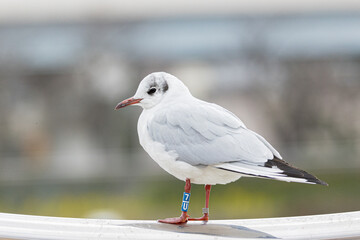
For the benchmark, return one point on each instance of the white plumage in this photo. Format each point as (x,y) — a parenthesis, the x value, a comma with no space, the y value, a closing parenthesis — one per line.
(193,139)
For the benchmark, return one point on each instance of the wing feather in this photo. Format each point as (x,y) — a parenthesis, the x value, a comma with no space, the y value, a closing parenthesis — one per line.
(206,134)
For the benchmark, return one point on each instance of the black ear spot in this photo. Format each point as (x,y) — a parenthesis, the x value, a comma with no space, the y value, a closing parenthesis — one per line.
(151,91)
(165,87)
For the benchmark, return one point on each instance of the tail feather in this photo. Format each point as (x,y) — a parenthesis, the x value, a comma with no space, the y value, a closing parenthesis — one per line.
(292,171)
(274,169)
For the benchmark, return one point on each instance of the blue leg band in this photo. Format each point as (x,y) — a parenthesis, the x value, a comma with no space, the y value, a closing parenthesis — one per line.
(185,202)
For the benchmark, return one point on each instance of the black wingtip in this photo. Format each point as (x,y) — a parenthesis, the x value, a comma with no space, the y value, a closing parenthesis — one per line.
(322,182)
(292,171)
(317,181)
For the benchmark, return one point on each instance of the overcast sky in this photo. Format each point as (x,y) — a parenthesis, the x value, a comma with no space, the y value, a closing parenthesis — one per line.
(81,10)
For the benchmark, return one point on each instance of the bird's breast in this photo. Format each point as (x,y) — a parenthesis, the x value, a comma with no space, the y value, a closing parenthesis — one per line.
(157,151)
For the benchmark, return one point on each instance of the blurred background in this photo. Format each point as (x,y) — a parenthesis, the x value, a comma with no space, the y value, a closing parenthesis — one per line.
(290,70)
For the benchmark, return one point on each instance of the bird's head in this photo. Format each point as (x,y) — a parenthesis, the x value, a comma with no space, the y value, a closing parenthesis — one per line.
(155,88)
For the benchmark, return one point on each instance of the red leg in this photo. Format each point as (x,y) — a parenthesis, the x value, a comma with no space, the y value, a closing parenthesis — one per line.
(184,216)
(205,217)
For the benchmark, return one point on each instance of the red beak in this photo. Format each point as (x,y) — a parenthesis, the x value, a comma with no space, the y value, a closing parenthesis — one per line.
(128,102)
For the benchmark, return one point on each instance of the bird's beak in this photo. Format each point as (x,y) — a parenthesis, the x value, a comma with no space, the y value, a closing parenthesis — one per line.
(127,102)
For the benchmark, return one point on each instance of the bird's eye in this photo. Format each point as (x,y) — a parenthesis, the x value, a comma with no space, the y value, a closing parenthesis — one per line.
(151,91)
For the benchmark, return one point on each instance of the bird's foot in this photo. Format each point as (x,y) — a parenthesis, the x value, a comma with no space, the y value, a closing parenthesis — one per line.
(204,218)
(176,220)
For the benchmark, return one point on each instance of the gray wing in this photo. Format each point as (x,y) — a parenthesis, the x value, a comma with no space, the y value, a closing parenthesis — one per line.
(207,134)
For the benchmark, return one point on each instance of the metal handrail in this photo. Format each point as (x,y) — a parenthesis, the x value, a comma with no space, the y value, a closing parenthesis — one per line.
(328,226)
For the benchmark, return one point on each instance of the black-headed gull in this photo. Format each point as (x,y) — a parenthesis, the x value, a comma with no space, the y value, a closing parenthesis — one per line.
(202,143)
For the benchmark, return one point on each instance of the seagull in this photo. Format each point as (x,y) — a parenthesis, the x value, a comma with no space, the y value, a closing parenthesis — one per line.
(202,143)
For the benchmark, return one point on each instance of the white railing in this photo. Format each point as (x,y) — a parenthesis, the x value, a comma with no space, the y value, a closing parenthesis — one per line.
(329,226)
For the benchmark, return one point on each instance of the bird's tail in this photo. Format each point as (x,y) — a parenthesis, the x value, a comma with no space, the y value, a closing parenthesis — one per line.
(274,169)
(292,171)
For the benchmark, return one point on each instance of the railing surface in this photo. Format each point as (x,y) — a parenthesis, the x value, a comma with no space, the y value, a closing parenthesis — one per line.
(329,226)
